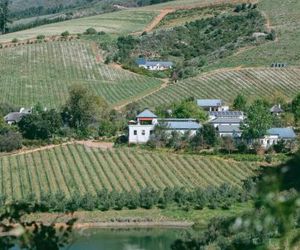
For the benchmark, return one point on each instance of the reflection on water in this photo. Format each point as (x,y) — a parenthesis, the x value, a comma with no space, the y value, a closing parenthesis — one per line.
(126,239)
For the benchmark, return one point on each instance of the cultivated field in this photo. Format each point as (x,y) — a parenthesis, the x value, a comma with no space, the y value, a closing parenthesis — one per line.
(77,168)
(226,84)
(43,72)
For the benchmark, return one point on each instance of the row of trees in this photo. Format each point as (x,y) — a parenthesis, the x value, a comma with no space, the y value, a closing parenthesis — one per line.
(212,197)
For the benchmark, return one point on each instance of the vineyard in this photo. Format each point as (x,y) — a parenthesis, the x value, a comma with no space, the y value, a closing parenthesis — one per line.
(43,72)
(253,83)
(72,168)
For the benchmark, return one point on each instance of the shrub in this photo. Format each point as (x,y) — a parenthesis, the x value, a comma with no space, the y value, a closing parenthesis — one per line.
(40,37)
(148,198)
(65,34)
(10,141)
(15,40)
(90,31)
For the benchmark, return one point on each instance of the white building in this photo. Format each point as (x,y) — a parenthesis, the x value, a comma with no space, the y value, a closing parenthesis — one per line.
(141,130)
(154,65)
(15,117)
(274,135)
(229,131)
(212,105)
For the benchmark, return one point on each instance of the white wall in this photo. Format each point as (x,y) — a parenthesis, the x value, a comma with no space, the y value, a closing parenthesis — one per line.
(140,137)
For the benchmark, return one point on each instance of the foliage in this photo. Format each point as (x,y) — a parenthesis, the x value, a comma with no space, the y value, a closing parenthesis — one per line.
(30,235)
(258,120)
(240,103)
(40,124)
(83,108)
(4,12)
(296,108)
(276,215)
(65,34)
(10,141)
(90,31)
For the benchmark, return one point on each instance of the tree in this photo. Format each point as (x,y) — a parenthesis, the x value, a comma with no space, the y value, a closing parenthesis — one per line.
(4,15)
(40,124)
(240,103)
(83,108)
(228,144)
(296,108)
(209,135)
(258,121)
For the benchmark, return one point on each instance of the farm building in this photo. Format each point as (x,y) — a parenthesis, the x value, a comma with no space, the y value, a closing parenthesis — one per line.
(154,65)
(212,105)
(226,114)
(141,130)
(15,117)
(276,110)
(229,131)
(274,135)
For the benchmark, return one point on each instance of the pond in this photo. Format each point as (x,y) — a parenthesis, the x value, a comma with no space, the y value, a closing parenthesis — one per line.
(126,239)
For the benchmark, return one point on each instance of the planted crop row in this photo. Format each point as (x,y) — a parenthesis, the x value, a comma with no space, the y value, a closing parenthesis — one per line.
(75,168)
(44,72)
(253,83)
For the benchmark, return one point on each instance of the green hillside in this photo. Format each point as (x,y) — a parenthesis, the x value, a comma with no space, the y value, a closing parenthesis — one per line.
(43,72)
(227,84)
(77,168)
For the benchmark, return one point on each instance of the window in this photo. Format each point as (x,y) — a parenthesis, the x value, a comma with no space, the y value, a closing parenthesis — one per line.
(135,132)
(143,132)
(151,132)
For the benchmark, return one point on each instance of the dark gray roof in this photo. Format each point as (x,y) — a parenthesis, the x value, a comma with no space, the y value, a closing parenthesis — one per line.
(226,113)
(229,129)
(283,133)
(226,120)
(146,114)
(14,117)
(276,109)
(209,102)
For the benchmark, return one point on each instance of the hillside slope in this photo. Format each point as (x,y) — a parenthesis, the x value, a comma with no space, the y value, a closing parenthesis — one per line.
(43,72)
(226,84)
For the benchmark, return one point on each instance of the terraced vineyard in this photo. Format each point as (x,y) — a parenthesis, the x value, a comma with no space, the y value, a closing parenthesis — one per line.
(78,168)
(226,84)
(43,72)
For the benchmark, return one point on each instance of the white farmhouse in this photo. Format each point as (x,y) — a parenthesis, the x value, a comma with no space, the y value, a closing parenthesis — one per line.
(154,65)
(141,130)
(212,105)
(274,135)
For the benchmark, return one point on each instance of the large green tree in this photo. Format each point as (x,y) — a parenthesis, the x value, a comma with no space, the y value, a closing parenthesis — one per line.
(240,103)
(296,108)
(83,108)
(258,121)
(4,15)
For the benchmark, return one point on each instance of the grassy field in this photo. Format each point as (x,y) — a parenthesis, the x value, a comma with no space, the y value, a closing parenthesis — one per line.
(253,83)
(120,22)
(43,72)
(125,21)
(78,168)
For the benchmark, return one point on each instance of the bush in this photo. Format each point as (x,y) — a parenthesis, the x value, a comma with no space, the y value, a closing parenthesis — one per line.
(15,40)
(40,37)
(148,198)
(10,141)
(65,34)
(90,31)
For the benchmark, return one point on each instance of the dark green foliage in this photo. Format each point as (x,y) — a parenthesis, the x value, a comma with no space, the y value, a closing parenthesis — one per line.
(4,15)
(240,103)
(148,198)
(195,44)
(40,124)
(90,31)
(296,107)
(271,35)
(258,120)
(10,141)
(65,34)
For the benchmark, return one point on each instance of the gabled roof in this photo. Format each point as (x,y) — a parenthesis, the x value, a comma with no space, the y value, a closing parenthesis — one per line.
(226,120)
(283,133)
(276,109)
(229,129)
(226,113)
(209,102)
(14,117)
(146,114)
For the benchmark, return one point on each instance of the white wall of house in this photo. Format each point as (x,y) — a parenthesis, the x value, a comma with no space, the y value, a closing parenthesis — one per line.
(269,140)
(140,133)
(229,134)
(192,132)
(156,67)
